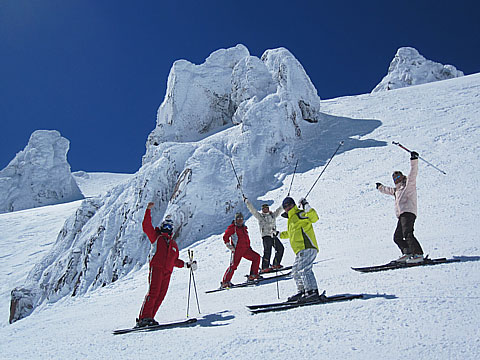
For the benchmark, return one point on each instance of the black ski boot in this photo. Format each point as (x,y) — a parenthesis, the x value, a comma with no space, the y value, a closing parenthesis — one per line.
(145,322)
(312,296)
(296,297)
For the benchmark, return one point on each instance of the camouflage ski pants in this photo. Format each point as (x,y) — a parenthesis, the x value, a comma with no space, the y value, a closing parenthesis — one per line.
(302,271)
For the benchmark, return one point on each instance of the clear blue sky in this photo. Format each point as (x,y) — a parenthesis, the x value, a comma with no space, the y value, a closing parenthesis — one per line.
(96,70)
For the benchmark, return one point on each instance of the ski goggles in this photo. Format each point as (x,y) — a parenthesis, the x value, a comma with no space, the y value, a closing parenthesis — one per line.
(167,226)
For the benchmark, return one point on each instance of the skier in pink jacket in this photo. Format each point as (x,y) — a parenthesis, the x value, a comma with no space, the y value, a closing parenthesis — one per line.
(405,193)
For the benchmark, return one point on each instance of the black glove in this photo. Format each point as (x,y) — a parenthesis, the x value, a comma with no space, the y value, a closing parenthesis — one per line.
(378,185)
(303,202)
(414,155)
(275,233)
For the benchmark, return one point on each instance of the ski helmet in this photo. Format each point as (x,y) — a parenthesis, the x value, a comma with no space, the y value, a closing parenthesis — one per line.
(287,202)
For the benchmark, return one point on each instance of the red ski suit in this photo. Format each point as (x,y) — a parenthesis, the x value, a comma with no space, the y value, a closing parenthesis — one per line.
(161,266)
(238,237)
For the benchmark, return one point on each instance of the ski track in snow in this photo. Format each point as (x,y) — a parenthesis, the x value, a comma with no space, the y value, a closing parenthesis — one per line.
(422,313)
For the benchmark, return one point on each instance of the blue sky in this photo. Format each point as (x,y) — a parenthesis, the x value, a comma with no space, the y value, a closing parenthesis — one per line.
(96,70)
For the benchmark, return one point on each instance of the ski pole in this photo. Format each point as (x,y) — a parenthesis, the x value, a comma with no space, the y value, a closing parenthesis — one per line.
(189,284)
(195,285)
(238,180)
(341,143)
(293,177)
(428,163)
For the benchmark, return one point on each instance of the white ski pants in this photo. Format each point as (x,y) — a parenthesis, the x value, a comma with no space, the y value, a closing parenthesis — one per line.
(302,271)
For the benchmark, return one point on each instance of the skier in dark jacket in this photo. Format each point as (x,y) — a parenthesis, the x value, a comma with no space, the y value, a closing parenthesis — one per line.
(165,258)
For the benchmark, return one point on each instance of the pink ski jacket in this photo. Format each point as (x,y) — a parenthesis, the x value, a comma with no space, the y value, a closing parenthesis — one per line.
(405,192)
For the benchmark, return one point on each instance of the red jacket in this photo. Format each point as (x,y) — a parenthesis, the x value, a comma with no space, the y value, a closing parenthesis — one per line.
(237,235)
(166,252)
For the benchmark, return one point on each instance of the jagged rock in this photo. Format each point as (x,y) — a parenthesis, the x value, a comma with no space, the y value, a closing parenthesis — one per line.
(39,175)
(409,68)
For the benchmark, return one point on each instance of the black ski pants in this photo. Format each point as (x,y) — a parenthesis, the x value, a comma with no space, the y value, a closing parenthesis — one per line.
(404,237)
(268,243)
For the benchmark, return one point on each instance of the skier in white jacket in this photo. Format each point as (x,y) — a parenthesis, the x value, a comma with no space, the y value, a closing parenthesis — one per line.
(268,229)
(405,193)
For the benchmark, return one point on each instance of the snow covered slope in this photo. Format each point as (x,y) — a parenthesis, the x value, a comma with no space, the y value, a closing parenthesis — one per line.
(422,313)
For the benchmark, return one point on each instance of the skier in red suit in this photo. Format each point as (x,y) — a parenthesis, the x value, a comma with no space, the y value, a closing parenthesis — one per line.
(165,258)
(236,239)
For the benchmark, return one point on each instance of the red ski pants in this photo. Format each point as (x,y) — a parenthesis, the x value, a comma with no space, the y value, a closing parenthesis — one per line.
(246,253)
(158,280)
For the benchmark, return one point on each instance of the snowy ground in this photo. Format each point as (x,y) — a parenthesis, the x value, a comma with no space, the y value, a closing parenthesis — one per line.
(422,313)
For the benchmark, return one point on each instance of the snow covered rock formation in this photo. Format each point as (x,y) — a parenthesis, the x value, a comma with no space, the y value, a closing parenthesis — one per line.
(258,112)
(39,175)
(408,68)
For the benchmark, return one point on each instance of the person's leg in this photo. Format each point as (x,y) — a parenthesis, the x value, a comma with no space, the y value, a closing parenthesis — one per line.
(267,251)
(163,292)
(398,238)
(408,222)
(251,255)
(279,249)
(234,261)
(155,278)
(306,272)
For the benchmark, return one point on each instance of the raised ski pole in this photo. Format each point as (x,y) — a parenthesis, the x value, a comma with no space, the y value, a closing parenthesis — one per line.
(238,180)
(428,163)
(293,177)
(341,143)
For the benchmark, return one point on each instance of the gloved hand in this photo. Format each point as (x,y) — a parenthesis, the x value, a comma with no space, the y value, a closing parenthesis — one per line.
(414,155)
(378,185)
(304,204)
(230,246)
(275,233)
(192,264)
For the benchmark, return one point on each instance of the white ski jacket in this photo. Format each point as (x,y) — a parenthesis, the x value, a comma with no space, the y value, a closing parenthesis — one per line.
(405,192)
(266,221)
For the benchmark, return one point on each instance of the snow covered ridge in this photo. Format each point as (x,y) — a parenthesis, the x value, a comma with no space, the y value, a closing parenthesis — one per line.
(273,112)
(408,68)
(39,175)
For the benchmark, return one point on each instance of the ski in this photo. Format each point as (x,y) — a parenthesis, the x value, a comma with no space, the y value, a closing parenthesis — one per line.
(400,265)
(272,271)
(248,283)
(156,327)
(256,309)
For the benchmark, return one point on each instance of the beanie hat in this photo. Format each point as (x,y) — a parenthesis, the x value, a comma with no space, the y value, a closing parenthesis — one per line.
(288,201)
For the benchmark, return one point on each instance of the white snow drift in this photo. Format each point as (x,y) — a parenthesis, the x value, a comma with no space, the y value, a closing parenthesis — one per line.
(39,175)
(409,68)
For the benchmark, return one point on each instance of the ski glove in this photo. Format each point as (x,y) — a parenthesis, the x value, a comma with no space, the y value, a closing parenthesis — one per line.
(304,204)
(230,246)
(414,155)
(378,185)
(192,264)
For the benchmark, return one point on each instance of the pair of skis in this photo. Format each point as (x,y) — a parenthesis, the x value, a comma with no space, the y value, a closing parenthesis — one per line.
(392,265)
(173,324)
(249,283)
(286,305)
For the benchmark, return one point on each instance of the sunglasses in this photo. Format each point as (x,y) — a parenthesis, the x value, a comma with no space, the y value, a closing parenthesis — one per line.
(395,178)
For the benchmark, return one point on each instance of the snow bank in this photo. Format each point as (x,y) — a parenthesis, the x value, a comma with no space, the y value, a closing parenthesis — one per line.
(409,68)
(39,175)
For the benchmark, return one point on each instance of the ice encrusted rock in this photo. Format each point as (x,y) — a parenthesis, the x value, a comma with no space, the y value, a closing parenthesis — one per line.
(254,111)
(409,68)
(38,175)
